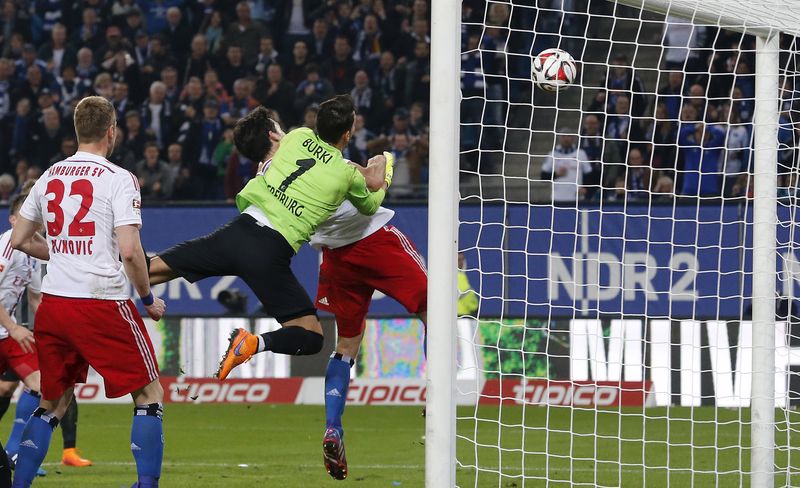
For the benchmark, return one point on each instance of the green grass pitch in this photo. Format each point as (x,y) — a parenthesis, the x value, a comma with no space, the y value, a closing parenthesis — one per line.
(280,446)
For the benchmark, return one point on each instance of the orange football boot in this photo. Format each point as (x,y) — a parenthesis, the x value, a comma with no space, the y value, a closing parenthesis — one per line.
(241,348)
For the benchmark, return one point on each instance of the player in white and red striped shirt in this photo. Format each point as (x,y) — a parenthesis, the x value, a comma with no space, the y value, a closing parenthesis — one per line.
(91,210)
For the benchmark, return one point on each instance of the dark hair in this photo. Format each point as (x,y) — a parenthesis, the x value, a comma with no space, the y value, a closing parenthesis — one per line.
(335,117)
(17,202)
(251,134)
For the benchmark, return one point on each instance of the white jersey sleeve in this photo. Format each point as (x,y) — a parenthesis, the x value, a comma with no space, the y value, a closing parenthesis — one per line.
(6,258)
(127,202)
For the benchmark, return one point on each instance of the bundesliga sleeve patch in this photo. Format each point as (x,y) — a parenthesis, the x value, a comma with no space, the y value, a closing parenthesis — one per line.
(137,205)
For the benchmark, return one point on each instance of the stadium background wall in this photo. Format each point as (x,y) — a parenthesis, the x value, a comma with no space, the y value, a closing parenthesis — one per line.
(541,261)
(662,263)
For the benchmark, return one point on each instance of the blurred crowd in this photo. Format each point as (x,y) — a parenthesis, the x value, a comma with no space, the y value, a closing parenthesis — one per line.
(182,72)
(691,136)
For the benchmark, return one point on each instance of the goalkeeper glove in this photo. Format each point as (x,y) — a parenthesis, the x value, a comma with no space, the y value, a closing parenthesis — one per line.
(389,168)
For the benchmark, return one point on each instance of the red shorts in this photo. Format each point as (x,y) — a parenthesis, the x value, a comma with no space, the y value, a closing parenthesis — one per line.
(12,356)
(386,261)
(109,335)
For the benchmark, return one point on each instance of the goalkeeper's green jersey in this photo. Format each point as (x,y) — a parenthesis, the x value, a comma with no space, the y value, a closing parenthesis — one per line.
(305,183)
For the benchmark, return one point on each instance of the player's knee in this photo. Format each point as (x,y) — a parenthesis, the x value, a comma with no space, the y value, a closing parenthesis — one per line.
(313,343)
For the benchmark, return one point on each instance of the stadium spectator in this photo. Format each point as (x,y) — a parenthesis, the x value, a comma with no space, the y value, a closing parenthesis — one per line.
(57,52)
(277,93)
(701,149)
(321,41)
(199,139)
(157,116)
(246,33)
(313,90)
(241,103)
(232,67)
(153,174)
(340,68)
(46,138)
(22,126)
(199,61)
(178,33)
(296,71)
(671,95)
(737,155)
(87,35)
(566,166)
(370,43)
(169,76)
(213,88)
(388,83)
(120,100)
(213,30)
(158,59)
(192,99)
(68,87)
(637,178)
(591,143)
(364,98)
(267,55)
(174,162)
(418,75)
(623,80)
(135,136)
(664,136)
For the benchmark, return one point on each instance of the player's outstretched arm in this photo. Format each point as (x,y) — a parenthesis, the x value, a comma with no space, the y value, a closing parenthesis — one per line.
(132,253)
(375,174)
(27,239)
(368,202)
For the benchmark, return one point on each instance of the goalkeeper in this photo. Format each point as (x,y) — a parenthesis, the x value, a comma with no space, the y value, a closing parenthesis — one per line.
(361,253)
(306,183)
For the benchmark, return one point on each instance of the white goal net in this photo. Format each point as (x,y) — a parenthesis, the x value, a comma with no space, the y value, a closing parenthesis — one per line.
(623,320)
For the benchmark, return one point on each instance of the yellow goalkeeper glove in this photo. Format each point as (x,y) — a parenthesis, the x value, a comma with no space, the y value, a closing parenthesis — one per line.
(389,168)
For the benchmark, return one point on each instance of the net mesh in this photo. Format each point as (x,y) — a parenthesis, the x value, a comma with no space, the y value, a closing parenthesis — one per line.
(606,231)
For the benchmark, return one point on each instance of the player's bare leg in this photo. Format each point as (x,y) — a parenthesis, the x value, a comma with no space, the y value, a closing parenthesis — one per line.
(159,271)
(297,337)
(337,381)
(36,437)
(147,433)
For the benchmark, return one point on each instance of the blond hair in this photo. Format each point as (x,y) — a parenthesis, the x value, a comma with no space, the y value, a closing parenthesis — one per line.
(93,116)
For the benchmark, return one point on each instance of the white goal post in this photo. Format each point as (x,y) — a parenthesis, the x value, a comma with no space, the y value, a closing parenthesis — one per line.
(764,19)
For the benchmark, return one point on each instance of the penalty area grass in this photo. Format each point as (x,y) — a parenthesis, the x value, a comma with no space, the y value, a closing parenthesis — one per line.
(212,445)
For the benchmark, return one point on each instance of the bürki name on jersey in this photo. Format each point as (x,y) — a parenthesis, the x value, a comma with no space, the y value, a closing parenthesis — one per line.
(70,170)
(290,203)
(316,151)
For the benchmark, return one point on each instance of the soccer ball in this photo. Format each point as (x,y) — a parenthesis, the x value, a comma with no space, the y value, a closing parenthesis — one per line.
(553,69)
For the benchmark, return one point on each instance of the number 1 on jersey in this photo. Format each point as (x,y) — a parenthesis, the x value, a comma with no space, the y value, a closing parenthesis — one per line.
(304,165)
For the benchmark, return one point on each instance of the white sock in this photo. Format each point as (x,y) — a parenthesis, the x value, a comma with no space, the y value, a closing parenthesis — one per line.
(261,345)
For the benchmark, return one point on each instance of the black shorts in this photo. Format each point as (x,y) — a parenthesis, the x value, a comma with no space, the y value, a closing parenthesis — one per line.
(257,254)
(9,375)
